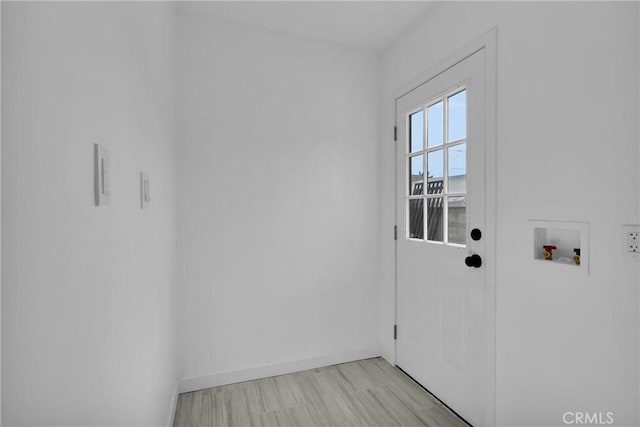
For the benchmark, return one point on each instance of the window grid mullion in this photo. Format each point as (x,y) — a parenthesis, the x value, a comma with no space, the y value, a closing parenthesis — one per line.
(445,170)
(425,175)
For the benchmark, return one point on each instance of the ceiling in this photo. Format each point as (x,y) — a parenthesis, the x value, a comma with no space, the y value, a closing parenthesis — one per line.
(371,25)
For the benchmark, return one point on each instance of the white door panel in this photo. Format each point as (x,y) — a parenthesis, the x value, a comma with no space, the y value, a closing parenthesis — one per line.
(441,196)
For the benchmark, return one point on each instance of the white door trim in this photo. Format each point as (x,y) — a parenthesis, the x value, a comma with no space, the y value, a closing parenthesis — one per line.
(488,42)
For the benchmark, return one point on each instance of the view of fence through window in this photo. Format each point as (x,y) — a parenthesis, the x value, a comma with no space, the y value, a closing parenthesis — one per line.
(437,144)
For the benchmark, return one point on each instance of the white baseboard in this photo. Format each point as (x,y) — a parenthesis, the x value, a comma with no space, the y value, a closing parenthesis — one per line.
(256,372)
(173,405)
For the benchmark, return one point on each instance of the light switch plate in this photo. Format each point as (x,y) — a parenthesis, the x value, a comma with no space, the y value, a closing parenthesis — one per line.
(145,195)
(102,181)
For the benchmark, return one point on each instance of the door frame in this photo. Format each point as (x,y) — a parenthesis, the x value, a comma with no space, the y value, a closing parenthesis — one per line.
(488,42)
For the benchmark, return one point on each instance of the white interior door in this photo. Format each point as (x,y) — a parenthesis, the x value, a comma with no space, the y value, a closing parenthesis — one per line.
(440,201)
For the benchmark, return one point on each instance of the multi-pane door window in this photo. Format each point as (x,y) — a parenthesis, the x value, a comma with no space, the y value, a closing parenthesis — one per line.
(437,199)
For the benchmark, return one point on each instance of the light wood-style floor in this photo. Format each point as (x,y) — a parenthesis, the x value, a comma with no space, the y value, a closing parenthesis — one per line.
(364,393)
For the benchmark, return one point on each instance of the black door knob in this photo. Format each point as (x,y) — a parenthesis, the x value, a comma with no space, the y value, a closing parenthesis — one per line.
(473,261)
(476,234)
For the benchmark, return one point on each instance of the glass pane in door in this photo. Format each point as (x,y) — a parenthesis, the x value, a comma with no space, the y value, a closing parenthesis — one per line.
(435,125)
(457,168)
(416,175)
(416,219)
(416,131)
(457,220)
(435,214)
(435,162)
(457,116)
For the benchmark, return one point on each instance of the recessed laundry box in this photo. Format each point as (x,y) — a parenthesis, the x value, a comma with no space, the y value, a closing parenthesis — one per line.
(564,243)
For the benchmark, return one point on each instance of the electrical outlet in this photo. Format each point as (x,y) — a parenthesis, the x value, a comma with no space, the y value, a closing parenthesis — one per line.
(631,242)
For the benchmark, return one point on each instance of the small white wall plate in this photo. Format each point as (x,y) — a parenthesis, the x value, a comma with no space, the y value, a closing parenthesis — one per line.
(145,195)
(102,181)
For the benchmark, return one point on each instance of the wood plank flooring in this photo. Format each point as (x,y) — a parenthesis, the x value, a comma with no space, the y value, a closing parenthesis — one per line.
(364,393)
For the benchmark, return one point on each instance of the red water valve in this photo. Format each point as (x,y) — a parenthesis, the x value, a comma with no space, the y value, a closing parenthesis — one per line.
(548,251)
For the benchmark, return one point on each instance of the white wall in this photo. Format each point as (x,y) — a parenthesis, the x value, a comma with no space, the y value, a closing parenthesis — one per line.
(277,199)
(567,150)
(88,292)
